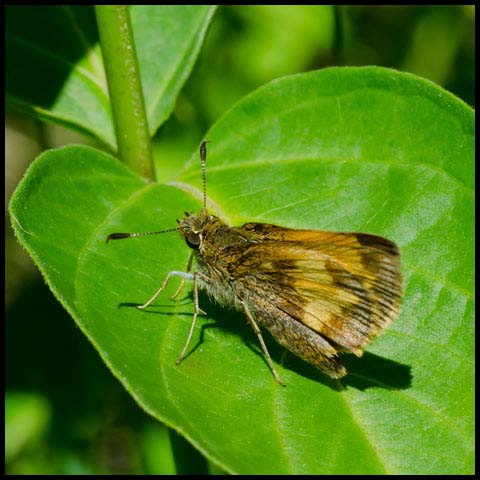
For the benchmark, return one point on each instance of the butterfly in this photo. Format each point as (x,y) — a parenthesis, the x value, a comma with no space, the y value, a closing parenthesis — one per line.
(317,292)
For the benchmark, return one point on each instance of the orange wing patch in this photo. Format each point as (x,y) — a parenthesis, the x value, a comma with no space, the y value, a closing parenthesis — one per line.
(345,286)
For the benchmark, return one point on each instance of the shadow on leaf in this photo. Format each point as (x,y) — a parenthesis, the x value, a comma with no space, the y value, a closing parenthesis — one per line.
(368,371)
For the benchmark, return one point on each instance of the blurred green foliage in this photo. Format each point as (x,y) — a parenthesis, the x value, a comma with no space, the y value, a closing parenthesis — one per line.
(248,46)
(65,413)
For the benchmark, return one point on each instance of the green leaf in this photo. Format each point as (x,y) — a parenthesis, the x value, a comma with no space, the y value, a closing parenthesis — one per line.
(53,68)
(168,41)
(58,47)
(352,149)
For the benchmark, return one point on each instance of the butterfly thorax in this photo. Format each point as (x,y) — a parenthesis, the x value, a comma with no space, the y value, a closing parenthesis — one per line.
(214,244)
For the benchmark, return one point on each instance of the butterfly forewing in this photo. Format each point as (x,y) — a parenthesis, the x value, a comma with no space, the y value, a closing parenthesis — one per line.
(346,287)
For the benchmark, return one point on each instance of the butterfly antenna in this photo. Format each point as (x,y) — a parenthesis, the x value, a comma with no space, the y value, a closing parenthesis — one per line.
(118,236)
(203,159)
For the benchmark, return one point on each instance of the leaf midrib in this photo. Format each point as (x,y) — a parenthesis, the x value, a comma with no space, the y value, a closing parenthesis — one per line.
(240,165)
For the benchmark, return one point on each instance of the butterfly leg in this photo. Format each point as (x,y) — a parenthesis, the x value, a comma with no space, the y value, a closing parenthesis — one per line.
(256,329)
(173,273)
(182,283)
(197,310)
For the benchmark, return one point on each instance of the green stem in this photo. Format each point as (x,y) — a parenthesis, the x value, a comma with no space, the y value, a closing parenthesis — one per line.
(125,89)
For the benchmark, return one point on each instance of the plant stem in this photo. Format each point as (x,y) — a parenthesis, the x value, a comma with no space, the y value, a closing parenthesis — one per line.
(125,89)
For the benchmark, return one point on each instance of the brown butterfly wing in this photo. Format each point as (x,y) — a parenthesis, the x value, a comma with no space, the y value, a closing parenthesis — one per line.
(345,286)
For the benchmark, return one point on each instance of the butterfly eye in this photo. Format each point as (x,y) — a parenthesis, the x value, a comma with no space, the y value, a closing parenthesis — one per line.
(193,240)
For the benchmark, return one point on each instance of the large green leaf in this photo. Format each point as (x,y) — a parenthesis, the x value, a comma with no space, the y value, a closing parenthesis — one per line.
(57,46)
(360,149)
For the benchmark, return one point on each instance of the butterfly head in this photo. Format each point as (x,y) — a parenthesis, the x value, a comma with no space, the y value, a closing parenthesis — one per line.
(194,228)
